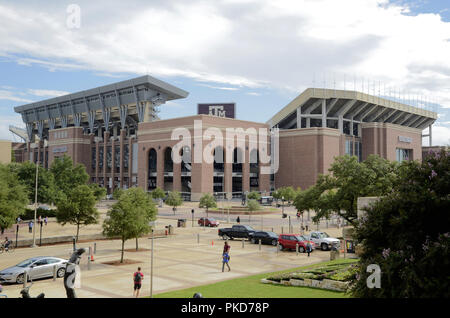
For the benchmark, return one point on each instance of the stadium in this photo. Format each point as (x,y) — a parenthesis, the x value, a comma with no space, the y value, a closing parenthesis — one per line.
(116,133)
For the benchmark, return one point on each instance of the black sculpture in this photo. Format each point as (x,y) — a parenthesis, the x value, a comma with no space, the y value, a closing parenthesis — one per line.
(26,293)
(70,275)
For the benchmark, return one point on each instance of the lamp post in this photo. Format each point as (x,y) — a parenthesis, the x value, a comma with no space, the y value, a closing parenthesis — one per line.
(192,211)
(17,233)
(40,236)
(152,224)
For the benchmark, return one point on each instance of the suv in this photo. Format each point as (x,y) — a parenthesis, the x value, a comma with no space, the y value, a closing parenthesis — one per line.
(323,240)
(289,241)
(208,222)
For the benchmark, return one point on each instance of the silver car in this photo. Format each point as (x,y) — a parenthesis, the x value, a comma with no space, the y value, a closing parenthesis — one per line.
(36,267)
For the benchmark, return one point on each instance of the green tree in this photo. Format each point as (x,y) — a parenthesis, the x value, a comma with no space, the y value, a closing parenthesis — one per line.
(67,176)
(174,199)
(130,216)
(253,206)
(207,201)
(406,233)
(99,192)
(117,193)
(26,172)
(254,196)
(338,191)
(13,197)
(158,193)
(77,207)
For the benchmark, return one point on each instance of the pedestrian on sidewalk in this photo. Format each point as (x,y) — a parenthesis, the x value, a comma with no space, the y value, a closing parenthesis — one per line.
(39,219)
(308,248)
(225,260)
(238,220)
(30,226)
(226,248)
(46,220)
(137,279)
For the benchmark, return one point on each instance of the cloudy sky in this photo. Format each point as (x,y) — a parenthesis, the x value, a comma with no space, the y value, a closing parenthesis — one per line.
(257,53)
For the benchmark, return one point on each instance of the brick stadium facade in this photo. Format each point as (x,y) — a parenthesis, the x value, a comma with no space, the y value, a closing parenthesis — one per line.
(115,131)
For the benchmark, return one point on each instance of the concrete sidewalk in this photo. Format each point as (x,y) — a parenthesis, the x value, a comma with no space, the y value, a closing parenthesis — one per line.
(179,262)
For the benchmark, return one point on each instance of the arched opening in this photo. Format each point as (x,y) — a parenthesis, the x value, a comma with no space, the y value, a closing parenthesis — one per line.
(254,170)
(152,161)
(218,176)
(168,169)
(237,172)
(186,170)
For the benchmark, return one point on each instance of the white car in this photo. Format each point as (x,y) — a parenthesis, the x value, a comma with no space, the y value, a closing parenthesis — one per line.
(323,240)
(36,267)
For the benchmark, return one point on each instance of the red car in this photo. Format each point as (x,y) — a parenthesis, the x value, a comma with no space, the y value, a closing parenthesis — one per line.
(208,222)
(289,241)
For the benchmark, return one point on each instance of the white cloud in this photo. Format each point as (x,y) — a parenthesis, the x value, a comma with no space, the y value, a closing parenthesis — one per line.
(9,95)
(5,121)
(46,92)
(280,44)
(220,87)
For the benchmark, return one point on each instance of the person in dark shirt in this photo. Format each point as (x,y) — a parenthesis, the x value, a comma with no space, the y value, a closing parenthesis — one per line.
(137,279)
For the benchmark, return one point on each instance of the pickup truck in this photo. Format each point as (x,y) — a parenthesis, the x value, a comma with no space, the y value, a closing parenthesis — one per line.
(236,231)
(323,240)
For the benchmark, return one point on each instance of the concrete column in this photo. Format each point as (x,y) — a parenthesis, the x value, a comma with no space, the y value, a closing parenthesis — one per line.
(97,148)
(177,176)
(130,162)
(308,122)
(351,127)
(228,178)
(159,168)
(113,161)
(299,117)
(105,162)
(44,154)
(123,133)
(38,153)
(341,124)
(324,113)
(430,135)
(246,171)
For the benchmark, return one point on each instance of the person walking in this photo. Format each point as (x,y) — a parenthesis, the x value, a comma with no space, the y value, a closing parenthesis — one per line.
(46,220)
(308,248)
(238,220)
(226,248)
(39,219)
(225,261)
(30,226)
(137,279)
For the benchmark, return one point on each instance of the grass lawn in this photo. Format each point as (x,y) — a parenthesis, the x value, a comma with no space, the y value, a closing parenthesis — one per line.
(251,287)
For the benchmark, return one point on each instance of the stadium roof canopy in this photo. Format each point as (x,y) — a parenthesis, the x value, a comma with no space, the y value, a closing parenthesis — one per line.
(318,107)
(127,102)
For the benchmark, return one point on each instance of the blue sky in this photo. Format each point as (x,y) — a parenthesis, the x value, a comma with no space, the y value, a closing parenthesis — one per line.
(258,54)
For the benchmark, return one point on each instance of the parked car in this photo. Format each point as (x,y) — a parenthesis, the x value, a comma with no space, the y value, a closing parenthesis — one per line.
(208,222)
(236,231)
(265,237)
(289,241)
(323,240)
(36,267)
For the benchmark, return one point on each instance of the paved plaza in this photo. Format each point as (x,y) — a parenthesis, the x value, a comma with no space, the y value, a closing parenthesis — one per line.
(190,257)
